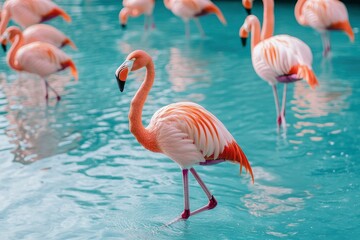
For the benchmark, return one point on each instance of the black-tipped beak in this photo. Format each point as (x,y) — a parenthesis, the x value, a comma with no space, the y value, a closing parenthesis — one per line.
(243,41)
(3,47)
(123,26)
(248,11)
(121,84)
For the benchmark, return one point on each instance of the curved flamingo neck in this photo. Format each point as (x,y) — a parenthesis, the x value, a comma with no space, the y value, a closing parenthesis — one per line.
(143,135)
(17,43)
(298,12)
(4,20)
(254,25)
(268,19)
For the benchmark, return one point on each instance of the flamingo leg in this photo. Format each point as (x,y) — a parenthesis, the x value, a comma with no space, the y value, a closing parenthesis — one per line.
(187,29)
(47,86)
(212,201)
(276,98)
(186,212)
(326,43)
(152,21)
(146,20)
(198,24)
(283,106)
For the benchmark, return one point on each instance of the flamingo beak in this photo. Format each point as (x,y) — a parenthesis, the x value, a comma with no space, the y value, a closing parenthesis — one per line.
(3,47)
(123,26)
(122,73)
(248,11)
(243,41)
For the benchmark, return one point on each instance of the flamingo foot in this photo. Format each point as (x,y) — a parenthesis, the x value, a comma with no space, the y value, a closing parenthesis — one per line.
(186,214)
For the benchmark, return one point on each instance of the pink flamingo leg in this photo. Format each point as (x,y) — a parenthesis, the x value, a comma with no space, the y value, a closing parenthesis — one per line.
(186,213)
(47,86)
(198,24)
(283,105)
(212,201)
(276,98)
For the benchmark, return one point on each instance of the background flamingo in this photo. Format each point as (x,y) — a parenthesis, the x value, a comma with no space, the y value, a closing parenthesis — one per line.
(192,9)
(280,58)
(324,16)
(29,12)
(135,8)
(185,132)
(39,58)
(267,29)
(46,33)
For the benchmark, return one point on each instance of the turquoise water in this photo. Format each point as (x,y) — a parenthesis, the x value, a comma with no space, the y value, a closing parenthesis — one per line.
(73,170)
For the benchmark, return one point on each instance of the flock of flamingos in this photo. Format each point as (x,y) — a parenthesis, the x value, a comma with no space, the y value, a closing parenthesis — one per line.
(184,131)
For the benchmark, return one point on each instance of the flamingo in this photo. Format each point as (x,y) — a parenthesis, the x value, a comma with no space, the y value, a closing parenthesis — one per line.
(267,29)
(185,132)
(192,9)
(39,58)
(324,16)
(29,12)
(45,33)
(135,8)
(278,59)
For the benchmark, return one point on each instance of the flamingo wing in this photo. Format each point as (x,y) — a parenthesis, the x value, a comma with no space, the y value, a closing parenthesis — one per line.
(41,58)
(189,135)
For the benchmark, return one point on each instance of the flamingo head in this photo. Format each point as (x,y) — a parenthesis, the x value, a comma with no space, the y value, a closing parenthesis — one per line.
(247,5)
(122,73)
(244,33)
(9,35)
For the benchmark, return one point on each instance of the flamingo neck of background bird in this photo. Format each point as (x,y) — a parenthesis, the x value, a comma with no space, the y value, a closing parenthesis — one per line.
(4,20)
(298,12)
(17,43)
(268,19)
(255,32)
(143,135)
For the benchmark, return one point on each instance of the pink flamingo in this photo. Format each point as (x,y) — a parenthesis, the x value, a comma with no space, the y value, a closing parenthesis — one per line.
(267,29)
(39,58)
(135,8)
(324,16)
(184,131)
(45,33)
(192,9)
(278,59)
(29,12)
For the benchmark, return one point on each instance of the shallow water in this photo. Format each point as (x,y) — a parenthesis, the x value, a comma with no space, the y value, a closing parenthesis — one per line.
(73,170)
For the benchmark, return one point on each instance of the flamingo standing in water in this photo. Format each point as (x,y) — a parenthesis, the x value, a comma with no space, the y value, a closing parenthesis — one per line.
(39,58)
(324,16)
(45,33)
(29,12)
(184,131)
(192,9)
(278,59)
(135,8)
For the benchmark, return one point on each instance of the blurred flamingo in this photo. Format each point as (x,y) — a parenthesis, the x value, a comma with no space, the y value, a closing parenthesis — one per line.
(184,131)
(267,29)
(29,12)
(324,16)
(192,9)
(278,59)
(39,58)
(45,33)
(135,8)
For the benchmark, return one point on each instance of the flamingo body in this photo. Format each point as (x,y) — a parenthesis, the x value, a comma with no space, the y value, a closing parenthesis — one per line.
(190,135)
(281,55)
(29,12)
(48,34)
